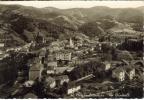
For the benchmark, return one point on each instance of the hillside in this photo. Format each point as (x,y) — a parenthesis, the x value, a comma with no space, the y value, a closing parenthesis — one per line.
(24,23)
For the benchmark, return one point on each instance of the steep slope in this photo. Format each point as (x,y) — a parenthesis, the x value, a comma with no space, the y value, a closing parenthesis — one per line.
(25,22)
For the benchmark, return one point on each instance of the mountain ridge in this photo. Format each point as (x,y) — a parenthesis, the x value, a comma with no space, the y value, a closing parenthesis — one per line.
(52,22)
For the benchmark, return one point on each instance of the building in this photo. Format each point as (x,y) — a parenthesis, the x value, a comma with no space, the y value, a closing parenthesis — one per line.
(55,47)
(129,69)
(72,88)
(35,69)
(63,56)
(124,71)
(2,45)
(51,67)
(49,83)
(50,57)
(52,64)
(60,70)
(107,65)
(60,80)
(71,44)
(119,74)
(42,53)
(99,47)
(79,43)
(21,76)
(130,72)
(1,50)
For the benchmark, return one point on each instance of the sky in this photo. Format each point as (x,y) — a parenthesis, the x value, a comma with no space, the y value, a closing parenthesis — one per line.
(77,4)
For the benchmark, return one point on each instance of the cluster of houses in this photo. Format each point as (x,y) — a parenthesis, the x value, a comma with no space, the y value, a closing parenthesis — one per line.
(51,62)
(3,53)
(50,66)
(121,70)
(54,61)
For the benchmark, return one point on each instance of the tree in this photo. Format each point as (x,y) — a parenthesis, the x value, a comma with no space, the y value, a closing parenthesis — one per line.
(124,55)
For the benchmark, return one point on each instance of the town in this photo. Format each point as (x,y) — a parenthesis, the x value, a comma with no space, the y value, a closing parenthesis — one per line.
(40,59)
(75,68)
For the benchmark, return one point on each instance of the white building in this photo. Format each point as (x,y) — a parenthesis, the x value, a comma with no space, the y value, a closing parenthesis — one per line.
(71,43)
(1,52)
(73,89)
(63,56)
(107,65)
(132,74)
(1,45)
(119,74)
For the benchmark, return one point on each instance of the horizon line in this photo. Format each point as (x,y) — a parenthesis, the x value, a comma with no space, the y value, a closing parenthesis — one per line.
(76,4)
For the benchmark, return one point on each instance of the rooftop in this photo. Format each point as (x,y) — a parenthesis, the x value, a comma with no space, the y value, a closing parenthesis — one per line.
(62,77)
(49,80)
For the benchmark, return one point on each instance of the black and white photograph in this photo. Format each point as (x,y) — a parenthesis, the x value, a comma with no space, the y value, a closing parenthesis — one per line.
(71,49)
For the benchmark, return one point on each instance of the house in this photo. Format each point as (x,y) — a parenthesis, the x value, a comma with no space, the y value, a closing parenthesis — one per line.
(124,71)
(79,43)
(129,69)
(71,44)
(60,80)
(52,63)
(42,53)
(100,46)
(60,70)
(1,52)
(119,73)
(73,87)
(63,56)
(130,72)
(28,83)
(107,65)
(35,69)
(77,46)
(51,67)
(17,49)
(50,57)
(70,69)
(2,45)
(49,83)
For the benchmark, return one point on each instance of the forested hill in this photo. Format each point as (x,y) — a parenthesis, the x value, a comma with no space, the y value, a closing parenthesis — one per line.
(22,23)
